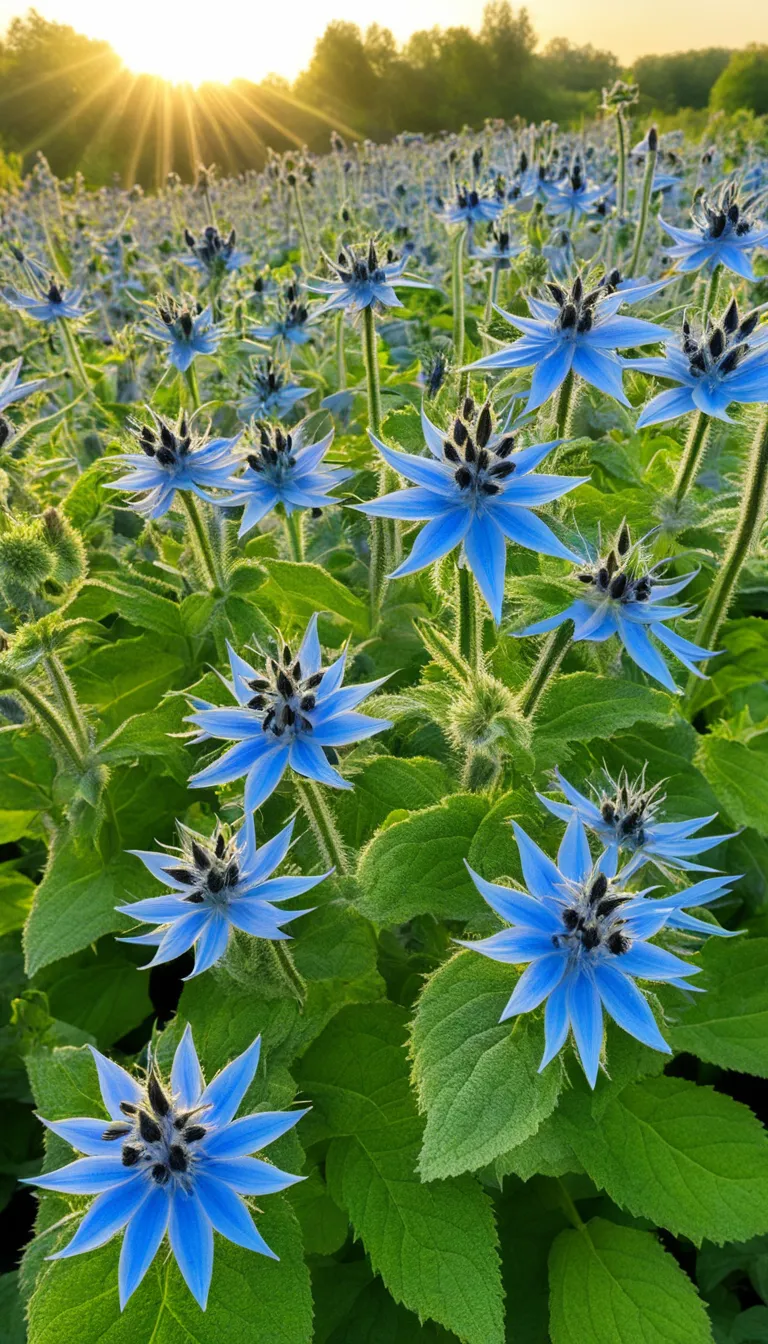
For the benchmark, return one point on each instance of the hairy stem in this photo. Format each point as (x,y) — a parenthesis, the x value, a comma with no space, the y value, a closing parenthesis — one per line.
(564,407)
(65,694)
(710,294)
(51,722)
(294,526)
(323,825)
(621,177)
(692,454)
(650,170)
(381,534)
(457,296)
(190,378)
(549,661)
(754,496)
(287,971)
(202,541)
(469,618)
(341,360)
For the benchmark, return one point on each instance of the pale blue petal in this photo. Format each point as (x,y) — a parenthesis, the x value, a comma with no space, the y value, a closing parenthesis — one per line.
(486,553)
(555,1023)
(517,907)
(187,1080)
(225,1093)
(116,1085)
(107,1214)
(574,859)
(542,877)
(211,945)
(86,1176)
(191,1237)
(649,962)
(251,1175)
(549,373)
(250,1134)
(229,1215)
(586,1017)
(536,982)
(141,1242)
(435,540)
(309,760)
(264,776)
(628,1007)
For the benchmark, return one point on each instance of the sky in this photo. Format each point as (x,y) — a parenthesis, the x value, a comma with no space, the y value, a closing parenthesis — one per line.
(195,40)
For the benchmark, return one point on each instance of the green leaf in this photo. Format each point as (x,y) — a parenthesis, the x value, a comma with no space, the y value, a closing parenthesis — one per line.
(133,597)
(529,1219)
(302,589)
(26,771)
(582,706)
(324,1225)
(126,678)
(477,1079)
(383,785)
(16,892)
(729,1024)
(99,991)
(739,776)
(253,1300)
(690,1159)
(416,866)
(433,1244)
(615,1285)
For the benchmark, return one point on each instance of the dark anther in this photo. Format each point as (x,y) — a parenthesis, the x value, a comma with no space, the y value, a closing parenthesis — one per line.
(157,1098)
(177,1158)
(731,317)
(598,889)
(470,452)
(482,460)
(194,1132)
(232,875)
(585,322)
(586,578)
(463,477)
(181,875)
(215,880)
(253,462)
(459,432)
(606,908)
(315,679)
(201,857)
(267,720)
(748,325)
(160,1173)
(468,409)
(611,563)
(489,488)
(619,585)
(716,343)
(568,316)
(257,702)
(194,898)
(505,447)
(608,813)
(501,470)
(131,1154)
(296,671)
(557,293)
(603,577)
(128,1107)
(577,289)
(258,684)
(449,452)
(289,716)
(590,938)
(307,702)
(149,1129)
(484,426)
(284,683)
(625,541)
(165,457)
(220,846)
(570,919)
(618,943)
(643,588)
(186,324)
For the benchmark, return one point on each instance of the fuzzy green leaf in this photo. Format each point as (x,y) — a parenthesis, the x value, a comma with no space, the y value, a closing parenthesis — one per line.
(729,1024)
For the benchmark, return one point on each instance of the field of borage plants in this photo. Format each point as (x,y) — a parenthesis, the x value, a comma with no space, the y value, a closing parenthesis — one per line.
(385,783)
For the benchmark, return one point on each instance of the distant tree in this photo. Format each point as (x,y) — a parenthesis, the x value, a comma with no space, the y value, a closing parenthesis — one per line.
(681,79)
(582,69)
(744,82)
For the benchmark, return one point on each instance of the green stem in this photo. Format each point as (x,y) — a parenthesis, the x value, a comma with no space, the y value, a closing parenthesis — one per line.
(190,378)
(493,285)
(323,825)
(294,526)
(713,285)
(73,350)
(551,657)
(288,972)
(51,722)
(469,618)
(650,170)
(65,694)
(689,462)
(754,495)
(457,296)
(563,416)
(621,177)
(570,1208)
(203,542)
(380,542)
(305,243)
(341,361)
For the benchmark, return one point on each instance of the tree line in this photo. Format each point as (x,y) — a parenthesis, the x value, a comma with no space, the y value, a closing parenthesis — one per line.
(71,97)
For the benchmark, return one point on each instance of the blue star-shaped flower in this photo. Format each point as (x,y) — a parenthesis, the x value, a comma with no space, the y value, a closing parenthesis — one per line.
(187,329)
(573,194)
(273,392)
(475,492)
(726,363)
(724,234)
(586,941)
(217,884)
(363,282)
(171,459)
(291,714)
(285,470)
(52,305)
(11,389)
(171,1159)
(580,330)
(471,207)
(212,255)
(623,597)
(624,816)
(290,324)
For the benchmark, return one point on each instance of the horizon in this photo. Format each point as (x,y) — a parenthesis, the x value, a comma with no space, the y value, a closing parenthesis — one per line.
(158,38)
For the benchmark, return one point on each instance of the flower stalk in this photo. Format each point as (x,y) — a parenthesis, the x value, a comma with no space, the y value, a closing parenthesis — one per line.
(323,826)
(645,201)
(457,298)
(551,657)
(203,542)
(692,455)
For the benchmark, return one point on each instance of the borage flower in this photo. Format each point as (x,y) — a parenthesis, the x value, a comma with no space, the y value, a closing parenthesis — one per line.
(724,234)
(11,390)
(471,207)
(174,459)
(212,255)
(580,330)
(364,282)
(290,324)
(52,305)
(171,1159)
(573,194)
(218,883)
(272,392)
(624,816)
(283,469)
(294,713)
(714,368)
(478,494)
(622,596)
(586,940)
(186,328)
